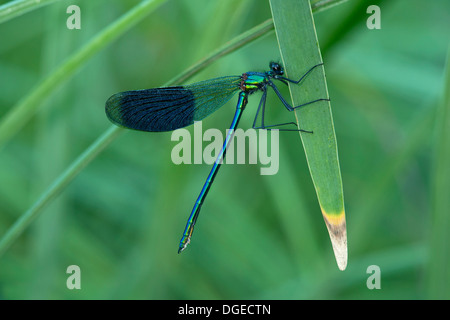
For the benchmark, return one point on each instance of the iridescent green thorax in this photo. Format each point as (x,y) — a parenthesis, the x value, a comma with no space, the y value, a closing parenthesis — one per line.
(252,81)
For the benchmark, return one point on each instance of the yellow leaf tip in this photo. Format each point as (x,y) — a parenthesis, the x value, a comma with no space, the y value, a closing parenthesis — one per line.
(337,230)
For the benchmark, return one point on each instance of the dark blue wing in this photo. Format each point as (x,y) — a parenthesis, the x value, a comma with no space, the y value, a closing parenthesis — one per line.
(170,108)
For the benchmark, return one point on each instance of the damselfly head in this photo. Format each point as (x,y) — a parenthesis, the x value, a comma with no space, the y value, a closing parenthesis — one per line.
(276,68)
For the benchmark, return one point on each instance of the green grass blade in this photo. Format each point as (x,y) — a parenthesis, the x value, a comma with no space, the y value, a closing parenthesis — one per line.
(319,5)
(58,185)
(299,49)
(439,263)
(12,122)
(17,8)
(232,45)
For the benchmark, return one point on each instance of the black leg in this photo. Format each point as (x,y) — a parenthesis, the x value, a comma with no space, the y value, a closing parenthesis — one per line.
(262,108)
(270,127)
(262,103)
(302,77)
(287,105)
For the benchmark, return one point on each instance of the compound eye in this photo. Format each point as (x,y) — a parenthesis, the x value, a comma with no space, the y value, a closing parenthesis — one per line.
(276,68)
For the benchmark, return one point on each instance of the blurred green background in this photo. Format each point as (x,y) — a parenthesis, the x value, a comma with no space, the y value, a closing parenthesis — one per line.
(258,237)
